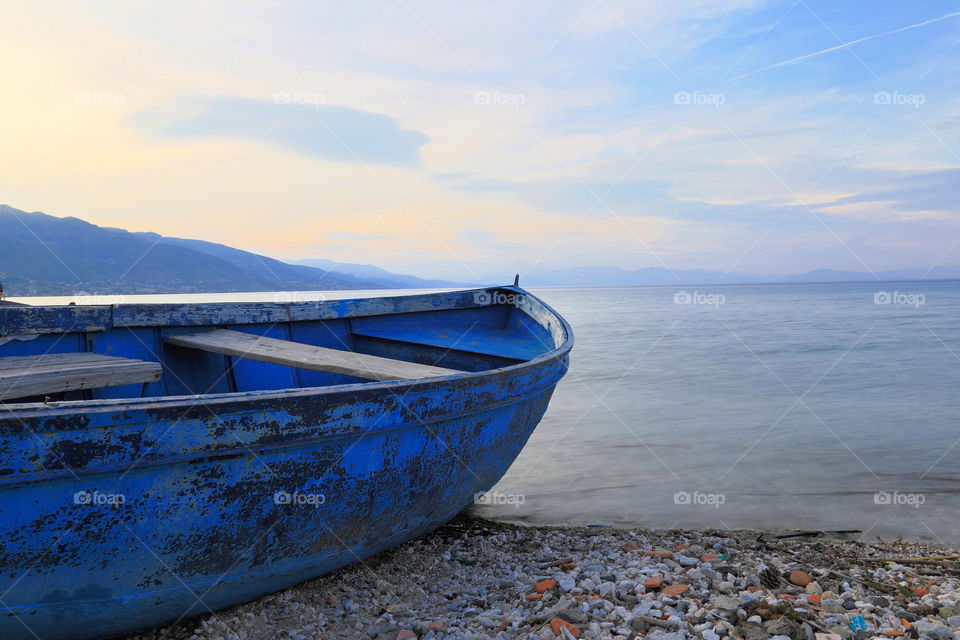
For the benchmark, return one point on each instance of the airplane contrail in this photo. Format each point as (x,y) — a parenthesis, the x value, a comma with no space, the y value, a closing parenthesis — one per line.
(846,44)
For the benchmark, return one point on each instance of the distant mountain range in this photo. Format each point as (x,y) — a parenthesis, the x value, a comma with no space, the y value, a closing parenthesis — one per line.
(42,254)
(611,276)
(46,255)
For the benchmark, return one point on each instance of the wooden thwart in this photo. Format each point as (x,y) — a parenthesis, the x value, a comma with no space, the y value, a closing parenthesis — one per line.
(305,356)
(24,376)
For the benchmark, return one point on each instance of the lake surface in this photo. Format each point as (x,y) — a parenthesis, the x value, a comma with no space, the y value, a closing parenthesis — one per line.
(821,406)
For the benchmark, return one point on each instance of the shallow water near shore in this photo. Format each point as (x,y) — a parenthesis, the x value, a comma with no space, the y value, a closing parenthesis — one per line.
(812,406)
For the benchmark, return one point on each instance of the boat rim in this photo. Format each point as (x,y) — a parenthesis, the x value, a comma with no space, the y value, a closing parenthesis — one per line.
(41,408)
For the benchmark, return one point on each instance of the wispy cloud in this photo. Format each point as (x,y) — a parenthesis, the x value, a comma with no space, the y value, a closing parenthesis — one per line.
(845,45)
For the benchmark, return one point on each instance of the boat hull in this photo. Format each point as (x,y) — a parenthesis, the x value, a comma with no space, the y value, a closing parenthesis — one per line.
(236,496)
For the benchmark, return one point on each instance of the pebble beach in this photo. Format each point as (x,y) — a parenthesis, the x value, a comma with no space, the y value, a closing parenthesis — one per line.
(477,580)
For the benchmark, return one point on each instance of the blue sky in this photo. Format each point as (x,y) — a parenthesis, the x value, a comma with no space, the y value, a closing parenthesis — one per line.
(454,139)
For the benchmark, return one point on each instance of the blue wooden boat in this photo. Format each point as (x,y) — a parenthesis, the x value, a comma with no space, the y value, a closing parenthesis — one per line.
(172,459)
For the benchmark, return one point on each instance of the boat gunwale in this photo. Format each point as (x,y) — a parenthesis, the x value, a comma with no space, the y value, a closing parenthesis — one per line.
(19,411)
(132,315)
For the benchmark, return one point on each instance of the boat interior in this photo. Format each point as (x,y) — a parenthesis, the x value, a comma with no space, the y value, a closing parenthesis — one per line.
(203,354)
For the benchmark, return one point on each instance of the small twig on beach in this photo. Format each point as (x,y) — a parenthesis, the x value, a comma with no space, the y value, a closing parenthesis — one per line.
(798,534)
(809,621)
(814,533)
(538,629)
(555,563)
(657,622)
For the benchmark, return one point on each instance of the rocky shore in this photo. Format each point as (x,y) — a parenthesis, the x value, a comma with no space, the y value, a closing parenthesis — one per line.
(479,580)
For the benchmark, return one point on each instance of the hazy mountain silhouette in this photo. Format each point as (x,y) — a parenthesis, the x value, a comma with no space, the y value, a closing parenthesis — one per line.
(47,255)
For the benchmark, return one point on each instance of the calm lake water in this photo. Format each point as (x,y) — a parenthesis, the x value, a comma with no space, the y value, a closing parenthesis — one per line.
(822,406)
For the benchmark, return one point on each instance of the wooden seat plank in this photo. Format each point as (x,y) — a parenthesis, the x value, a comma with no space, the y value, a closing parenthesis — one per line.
(24,376)
(305,356)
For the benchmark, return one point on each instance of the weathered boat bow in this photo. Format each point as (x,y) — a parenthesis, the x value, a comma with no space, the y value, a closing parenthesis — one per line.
(234,474)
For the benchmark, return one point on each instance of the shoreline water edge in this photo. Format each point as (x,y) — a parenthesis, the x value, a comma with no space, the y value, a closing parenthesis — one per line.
(477,579)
